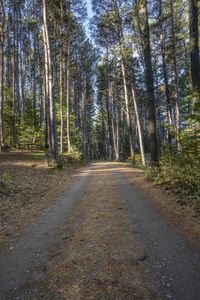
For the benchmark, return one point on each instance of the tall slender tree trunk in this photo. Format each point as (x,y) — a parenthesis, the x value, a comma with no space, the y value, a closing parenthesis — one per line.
(109,120)
(61,86)
(14,134)
(127,104)
(194,50)
(17,52)
(150,88)
(61,107)
(68,96)
(9,53)
(123,69)
(167,93)
(83,118)
(49,78)
(176,78)
(2,97)
(103,131)
(34,82)
(115,124)
(135,102)
(2,37)
(165,75)
(46,113)
(48,131)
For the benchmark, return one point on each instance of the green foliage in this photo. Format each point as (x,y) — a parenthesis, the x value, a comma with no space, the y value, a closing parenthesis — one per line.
(180,172)
(136,160)
(75,156)
(38,155)
(75,134)
(5,182)
(154,174)
(28,134)
(28,130)
(8,116)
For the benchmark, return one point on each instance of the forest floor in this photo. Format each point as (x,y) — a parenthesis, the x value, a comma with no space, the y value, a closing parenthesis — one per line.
(110,235)
(31,187)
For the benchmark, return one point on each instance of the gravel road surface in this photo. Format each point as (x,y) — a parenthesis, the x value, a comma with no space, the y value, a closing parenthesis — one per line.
(103,239)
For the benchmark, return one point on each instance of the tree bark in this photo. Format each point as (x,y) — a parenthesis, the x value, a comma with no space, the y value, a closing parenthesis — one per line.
(49,82)
(135,102)
(2,39)
(115,124)
(176,78)
(194,50)
(61,87)
(127,104)
(123,69)
(14,134)
(61,107)
(68,96)
(150,88)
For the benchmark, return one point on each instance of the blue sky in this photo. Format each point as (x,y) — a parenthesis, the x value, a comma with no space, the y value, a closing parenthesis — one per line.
(89,7)
(90,14)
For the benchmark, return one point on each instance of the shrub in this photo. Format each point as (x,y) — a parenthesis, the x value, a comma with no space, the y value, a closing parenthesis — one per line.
(5,182)
(136,159)
(180,172)
(75,156)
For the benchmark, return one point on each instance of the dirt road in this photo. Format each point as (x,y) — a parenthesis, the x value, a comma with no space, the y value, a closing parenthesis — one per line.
(103,239)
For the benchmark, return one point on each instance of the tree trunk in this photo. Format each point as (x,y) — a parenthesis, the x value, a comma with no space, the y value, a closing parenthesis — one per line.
(115,124)
(176,78)
(49,83)
(194,50)
(61,86)
(135,102)
(46,113)
(48,131)
(84,120)
(68,96)
(167,94)
(127,104)
(34,82)
(150,88)
(123,69)
(109,119)
(2,133)
(61,107)
(14,134)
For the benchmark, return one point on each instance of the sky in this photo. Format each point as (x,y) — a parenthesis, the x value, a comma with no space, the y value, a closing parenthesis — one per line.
(89,7)
(90,14)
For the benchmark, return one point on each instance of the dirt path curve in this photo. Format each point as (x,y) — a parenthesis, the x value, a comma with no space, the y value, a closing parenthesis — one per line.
(103,239)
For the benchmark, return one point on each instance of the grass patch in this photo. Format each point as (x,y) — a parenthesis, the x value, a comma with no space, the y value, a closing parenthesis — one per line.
(38,155)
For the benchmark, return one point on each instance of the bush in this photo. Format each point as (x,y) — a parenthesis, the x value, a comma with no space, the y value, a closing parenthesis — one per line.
(180,172)
(29,135)
(136,159)
(154,174)
(5,182)
(75,156)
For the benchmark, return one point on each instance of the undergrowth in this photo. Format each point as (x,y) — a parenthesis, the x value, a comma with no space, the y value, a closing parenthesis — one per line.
(74,156)
(180,172)
(5,182)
